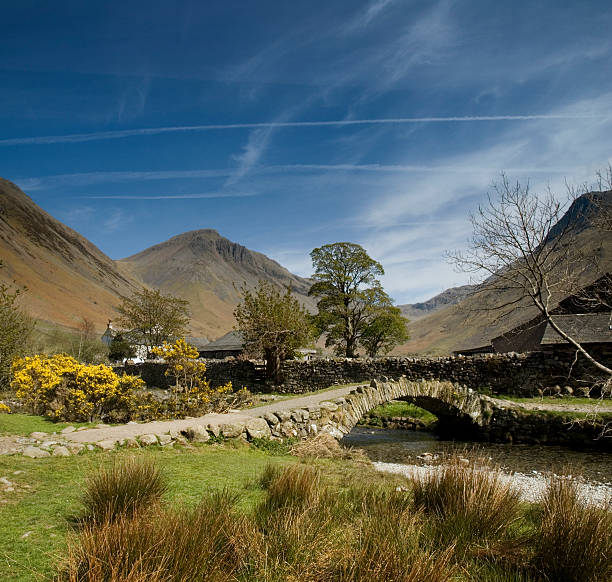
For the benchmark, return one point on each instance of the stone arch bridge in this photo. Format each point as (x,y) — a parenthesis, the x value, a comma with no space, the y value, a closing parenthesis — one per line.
(461,411)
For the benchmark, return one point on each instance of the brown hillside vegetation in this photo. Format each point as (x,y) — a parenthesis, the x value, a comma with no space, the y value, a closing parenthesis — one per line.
(68,278)
(207,270)
(466,324)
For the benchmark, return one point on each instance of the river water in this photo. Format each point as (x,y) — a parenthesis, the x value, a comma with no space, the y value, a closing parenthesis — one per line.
(405,446)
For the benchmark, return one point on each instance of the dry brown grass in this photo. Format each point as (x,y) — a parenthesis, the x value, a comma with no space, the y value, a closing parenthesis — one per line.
(574,542)
(122,489)
(469,502)
(325,446)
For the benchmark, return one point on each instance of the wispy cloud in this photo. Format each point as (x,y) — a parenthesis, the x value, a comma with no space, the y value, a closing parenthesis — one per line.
(92,178)
(115,220)
(365,17)
(251,153)
(123,133)
(36,183)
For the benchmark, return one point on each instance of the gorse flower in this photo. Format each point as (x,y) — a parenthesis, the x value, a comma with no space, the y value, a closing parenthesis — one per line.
(63,389)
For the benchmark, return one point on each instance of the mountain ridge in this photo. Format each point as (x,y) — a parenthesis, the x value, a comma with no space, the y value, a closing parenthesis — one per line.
(69,278)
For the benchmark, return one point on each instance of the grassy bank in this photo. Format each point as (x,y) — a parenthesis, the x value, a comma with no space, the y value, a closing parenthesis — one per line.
(328,522)
(398,409)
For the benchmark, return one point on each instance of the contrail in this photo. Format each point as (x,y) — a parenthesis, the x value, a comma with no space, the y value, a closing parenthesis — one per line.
(172,196)
(118,134)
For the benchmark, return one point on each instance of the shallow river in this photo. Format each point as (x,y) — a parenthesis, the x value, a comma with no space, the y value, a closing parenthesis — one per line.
(404,446)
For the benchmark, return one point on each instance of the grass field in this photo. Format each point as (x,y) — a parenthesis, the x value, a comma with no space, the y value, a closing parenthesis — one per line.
(34,519)
(24,424)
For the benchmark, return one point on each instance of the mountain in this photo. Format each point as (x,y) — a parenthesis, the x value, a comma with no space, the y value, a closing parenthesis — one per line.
(466,324)
(208,270)
(414,311)
(68,278)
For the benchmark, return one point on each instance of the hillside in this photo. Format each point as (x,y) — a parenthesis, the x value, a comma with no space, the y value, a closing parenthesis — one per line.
(205,268)
(414,311)
(68,278)
(465,324)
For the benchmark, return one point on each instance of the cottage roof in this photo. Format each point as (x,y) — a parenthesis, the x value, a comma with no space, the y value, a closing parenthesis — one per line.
(231,341)
(197,342)
(585,328)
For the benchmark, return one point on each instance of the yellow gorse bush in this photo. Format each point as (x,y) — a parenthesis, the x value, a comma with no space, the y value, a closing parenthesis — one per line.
(191,390)
(4,409)
(63,389)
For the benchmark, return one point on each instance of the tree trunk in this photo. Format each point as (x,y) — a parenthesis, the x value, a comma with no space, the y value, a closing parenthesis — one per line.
(273,365)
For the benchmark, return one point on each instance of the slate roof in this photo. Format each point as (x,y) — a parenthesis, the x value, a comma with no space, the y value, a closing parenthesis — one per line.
(231,341)
(585,328)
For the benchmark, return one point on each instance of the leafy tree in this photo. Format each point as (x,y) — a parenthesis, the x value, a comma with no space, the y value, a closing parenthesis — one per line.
(120,348)
(386,330)
(16,328)
(273,324)
(350,295)
(151,318)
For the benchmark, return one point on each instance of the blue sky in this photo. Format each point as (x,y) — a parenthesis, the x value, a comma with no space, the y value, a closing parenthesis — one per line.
(288,125)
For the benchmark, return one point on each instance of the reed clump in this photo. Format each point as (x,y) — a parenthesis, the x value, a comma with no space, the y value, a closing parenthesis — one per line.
(469,502)
(459,523)
(122,489)
(574,541)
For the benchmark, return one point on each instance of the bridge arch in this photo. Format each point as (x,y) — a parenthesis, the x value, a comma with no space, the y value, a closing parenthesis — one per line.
(458,408)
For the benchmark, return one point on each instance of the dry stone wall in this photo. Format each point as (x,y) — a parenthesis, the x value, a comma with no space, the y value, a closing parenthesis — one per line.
(519,374)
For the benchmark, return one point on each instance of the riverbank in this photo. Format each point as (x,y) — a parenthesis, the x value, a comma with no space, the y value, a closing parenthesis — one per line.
(531,486)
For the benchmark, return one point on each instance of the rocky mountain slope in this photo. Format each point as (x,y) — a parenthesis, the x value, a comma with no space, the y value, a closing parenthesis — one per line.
(68,278)
(208,270)
(414,311)
(465,324)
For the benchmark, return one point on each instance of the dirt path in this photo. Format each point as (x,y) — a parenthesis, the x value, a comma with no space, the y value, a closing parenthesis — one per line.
(216,421)
(132,430)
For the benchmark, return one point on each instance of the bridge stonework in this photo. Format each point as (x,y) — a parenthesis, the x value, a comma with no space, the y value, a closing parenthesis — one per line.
(463,414)
(459,409)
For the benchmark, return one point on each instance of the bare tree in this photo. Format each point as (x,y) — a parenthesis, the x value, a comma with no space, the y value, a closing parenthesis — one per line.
(523,246)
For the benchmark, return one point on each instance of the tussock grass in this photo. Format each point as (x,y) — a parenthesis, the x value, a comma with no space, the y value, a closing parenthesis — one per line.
(325,446)
(574,542)
(209,542)
(122,489)
(460,523)
(469,502)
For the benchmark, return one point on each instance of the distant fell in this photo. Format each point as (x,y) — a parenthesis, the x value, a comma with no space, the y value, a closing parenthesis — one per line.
(414,311)
(208,270)
(466,324)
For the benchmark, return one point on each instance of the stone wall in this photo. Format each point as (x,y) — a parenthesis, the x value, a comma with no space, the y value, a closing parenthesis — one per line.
(518,374)
(239,372)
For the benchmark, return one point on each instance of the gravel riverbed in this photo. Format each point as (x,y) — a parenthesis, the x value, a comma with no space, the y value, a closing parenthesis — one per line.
(531,486)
